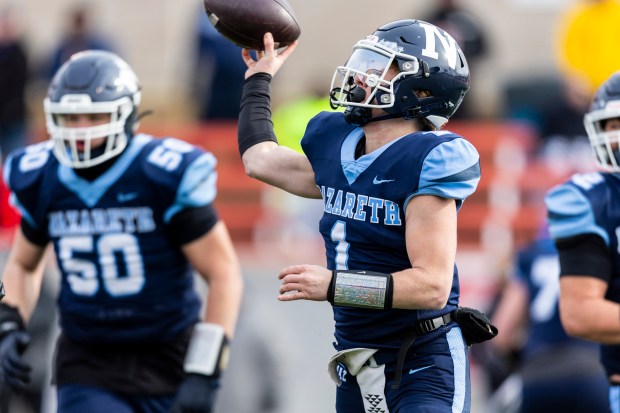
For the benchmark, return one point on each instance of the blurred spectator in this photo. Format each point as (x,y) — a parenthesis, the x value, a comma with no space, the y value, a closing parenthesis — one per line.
(219,74)
(564,146)
(468,33)
(556,373)
(79,35)
(589,33)
(563,117)
(554,106)
(13,79)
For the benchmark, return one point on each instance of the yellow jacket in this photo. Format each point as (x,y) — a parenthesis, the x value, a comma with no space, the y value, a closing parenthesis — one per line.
(590,41)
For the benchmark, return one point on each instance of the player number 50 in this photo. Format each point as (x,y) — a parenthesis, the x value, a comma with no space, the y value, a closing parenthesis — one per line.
(82,273)
(169,154)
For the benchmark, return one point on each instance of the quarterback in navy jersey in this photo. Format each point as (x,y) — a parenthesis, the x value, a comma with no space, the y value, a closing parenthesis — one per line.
(584,220)
(392,182)
(130,219)
(558,373)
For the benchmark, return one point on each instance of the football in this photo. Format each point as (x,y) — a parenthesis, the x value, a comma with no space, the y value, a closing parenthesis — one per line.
(244,22)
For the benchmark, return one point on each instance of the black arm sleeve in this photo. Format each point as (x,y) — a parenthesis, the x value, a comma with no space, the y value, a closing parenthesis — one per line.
(585,255)
(191,224)
(255,123)
(33,235)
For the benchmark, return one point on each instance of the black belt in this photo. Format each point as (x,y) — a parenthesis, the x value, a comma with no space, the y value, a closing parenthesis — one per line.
(432,324)
(422,327)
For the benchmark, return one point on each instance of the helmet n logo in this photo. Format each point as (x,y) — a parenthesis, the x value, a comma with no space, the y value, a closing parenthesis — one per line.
(447,42)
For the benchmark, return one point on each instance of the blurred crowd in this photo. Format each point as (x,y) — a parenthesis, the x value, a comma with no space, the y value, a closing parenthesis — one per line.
(550,105)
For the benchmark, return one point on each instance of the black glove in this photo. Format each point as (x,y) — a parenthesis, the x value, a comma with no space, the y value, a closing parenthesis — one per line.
(475,325)
(196,394)
(14,371)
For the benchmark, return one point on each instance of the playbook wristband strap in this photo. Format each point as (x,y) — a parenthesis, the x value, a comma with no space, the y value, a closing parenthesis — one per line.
(365,289)
(208,350)
(255,125)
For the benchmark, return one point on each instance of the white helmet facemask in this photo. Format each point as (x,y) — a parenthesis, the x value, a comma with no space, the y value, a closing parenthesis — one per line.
(606,145)
(368,65)
(79,147)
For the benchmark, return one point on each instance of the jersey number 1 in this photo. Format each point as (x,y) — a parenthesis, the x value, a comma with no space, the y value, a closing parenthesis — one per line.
(338,235)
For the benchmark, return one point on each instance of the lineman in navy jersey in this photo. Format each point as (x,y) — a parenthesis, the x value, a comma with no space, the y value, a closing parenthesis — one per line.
(558,373)
(584,219)
(130,218)
(392,184)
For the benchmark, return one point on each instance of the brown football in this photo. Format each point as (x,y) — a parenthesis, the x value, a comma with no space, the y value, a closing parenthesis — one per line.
(244,22)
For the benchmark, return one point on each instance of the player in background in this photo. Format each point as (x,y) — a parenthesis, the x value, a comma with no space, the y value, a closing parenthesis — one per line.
(130,218)
(584,220)
(558,373)
(392,182)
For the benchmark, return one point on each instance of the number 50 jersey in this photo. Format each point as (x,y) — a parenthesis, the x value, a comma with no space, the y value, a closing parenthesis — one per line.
(123,280)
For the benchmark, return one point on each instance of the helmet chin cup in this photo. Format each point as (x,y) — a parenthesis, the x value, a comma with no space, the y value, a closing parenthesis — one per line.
(358,116)
(356,94)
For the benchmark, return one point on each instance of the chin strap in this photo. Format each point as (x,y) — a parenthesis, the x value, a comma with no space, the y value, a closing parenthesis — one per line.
(384,117)
(356,115)
(359,116)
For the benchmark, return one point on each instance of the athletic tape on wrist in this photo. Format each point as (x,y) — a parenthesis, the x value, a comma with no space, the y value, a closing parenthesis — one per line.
(366,289)
(207,352)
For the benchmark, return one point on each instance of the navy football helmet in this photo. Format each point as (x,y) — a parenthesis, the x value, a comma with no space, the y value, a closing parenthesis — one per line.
(427,59)
(92,82)
(605,105)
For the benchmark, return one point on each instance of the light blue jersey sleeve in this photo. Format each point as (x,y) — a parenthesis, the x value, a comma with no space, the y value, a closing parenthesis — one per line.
(450,170)
(197,187)
(570,213)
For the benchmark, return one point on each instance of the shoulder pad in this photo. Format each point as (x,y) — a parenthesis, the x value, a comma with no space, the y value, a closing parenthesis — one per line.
(165,160)
(186,172)
(325,125)
(587,181)
(570,211)
(25,167)
(23,172)
(451,169)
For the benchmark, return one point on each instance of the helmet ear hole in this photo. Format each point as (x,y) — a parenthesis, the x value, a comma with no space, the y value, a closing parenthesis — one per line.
(421,93)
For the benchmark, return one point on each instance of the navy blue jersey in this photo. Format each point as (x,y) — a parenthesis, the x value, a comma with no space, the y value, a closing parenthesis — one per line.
(538,268)
(122,279)
(363,223)
(588,204)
